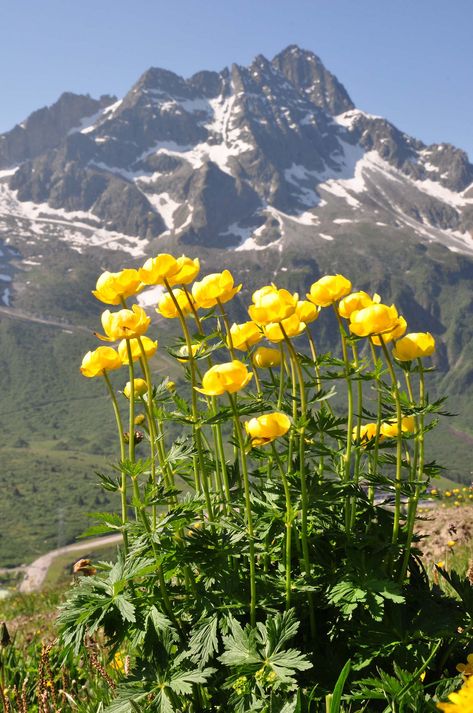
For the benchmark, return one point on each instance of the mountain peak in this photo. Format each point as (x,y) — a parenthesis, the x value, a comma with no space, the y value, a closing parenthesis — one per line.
(306,71)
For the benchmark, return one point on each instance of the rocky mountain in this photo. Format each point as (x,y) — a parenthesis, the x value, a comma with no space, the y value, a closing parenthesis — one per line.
(270,170)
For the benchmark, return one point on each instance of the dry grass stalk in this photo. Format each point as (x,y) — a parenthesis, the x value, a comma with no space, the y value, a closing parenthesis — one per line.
(91,648)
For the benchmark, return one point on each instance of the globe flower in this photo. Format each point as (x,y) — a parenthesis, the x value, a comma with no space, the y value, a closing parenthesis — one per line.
(167,308)
(307,311)
(184,352)
(266,428)
(148,345)
(272,305)
(124,324)
(217,287)
(100,360)
(265,357)
(355,301)
(140,387)
(112,287)
(157,269)
(292,328)
(389,429)
(396,333)
(187,271)
(413,346)
(228,377)
(461,701)
(245,335)
(367,433)
(329,289)
(374,319)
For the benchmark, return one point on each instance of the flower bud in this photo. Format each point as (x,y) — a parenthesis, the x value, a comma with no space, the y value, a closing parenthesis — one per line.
(140,387)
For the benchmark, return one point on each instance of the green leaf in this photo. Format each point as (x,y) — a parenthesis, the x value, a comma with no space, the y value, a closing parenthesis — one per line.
(204,641)
(338,690)
(125,607)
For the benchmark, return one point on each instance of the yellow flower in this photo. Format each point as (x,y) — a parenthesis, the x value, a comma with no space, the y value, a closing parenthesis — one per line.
(245,335)
(184,352)
(187,271)
(157,269)
(139,419)
(367,433)
(265,358)
(329,289)
(118,662)
(466,669)
(397,332)
(148,345)
(353,302)
(374,319)
(451,543)
(100,360)
(272,305)
(292,327)
(389,428)
(265,429)
(414,346)
(434,491)
(456,504)
(112,287)
(307,312)
(461,701)
(167,308)
(124,324)
(448,494)
(440,565)
(217,287)
(140,387)
(228,377)
(171,386)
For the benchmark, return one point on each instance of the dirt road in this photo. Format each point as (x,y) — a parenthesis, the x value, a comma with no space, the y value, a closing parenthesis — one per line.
(35,572)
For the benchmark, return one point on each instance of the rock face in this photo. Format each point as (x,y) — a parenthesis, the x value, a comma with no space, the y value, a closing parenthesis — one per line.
(240,155)
(46,128)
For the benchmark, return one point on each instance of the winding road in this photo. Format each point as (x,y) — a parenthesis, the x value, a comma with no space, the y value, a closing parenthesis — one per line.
(36,572)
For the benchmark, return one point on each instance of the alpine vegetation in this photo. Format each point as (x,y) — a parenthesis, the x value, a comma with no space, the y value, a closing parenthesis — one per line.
(268,504)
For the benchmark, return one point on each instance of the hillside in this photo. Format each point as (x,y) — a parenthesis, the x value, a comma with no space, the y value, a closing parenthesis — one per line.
(269,170)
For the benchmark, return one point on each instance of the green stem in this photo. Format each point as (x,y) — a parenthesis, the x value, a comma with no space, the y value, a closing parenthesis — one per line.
(347,464)
(259,390)
(398,480)
(227,329)
(303,477)
(356,473)
(289,520)
(418,466)
(281,376)
(249,516)
(379,412)
(123,484)
(198,461)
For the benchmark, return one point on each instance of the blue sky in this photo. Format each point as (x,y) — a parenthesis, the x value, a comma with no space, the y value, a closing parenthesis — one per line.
(408,60)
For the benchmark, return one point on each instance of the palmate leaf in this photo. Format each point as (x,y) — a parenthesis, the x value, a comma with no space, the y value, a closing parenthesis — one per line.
(182,681)
(127,699)
(240,646)
(286,663)
(204,641)
(278,630)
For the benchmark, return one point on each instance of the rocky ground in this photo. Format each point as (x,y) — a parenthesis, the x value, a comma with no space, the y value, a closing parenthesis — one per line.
(439,526)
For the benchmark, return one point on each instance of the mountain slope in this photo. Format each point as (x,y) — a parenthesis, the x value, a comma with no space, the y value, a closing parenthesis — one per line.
(269,170)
